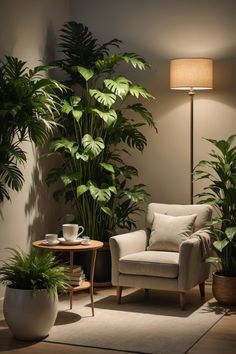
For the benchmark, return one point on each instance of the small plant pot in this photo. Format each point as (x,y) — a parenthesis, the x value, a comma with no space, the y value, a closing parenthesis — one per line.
(224,289)
(30,317)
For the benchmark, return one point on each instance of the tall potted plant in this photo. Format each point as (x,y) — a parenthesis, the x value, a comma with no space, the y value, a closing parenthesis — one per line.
(96,120)
(30,302)
(29,108)
(99,128)
(220,171)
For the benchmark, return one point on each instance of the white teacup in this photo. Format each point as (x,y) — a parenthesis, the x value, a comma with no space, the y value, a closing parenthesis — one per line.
(51,238)
(71,231)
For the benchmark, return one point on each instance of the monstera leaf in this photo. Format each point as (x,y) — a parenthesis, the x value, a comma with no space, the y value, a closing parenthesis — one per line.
(105,98)
(93,147)
(109,117)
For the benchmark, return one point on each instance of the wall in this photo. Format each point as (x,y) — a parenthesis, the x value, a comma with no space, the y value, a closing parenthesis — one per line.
(28,30)
(161,30)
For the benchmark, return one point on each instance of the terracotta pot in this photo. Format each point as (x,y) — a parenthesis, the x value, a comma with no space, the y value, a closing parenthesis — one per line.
(224,289)
(30,317)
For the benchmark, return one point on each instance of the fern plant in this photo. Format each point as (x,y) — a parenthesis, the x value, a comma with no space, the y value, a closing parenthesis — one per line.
(33,272)
(100,127)
(29,107)
(220,171)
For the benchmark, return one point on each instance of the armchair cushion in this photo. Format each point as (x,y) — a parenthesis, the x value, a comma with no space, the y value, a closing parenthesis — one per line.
(168,232)
(151,263)
(203,212)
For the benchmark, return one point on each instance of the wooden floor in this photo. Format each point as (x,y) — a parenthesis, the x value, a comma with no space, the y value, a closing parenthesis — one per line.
(220,339)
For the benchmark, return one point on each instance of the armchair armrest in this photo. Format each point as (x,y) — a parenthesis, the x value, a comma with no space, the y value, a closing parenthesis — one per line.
(192,268)
(124,244)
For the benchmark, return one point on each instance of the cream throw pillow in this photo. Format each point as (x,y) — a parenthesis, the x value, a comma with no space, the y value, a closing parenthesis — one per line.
(168,232)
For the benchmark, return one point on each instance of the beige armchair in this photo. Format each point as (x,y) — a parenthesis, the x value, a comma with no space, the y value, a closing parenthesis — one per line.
(168,255)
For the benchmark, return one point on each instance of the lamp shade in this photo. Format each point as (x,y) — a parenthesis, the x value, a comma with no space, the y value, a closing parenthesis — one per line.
(191,74)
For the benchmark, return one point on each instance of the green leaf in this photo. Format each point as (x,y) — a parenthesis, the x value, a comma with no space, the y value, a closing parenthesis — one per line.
(67,145)
(11,175)
(81,190)
(145,114)
(70,177)
(107,99)
(119,86)
(107,210)
(220,245)
(107,64)
(136,91)
(99,194)
(66,180)
(107,166)
(33,271)
(136,193)
(113,189)
(128,171)
(93,147)
(66,107)
(230,233)
(74,101)
(86,73)
(232,139)
(223,146)
(135,61)
(83,156)
(109,117)
(77,114)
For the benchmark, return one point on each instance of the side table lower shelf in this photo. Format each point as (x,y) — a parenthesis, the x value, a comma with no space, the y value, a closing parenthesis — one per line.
(92,247)
(83,286)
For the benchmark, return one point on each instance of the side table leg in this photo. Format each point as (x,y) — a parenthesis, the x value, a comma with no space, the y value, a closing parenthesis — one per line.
(71,269)
(71,299)
(94,254)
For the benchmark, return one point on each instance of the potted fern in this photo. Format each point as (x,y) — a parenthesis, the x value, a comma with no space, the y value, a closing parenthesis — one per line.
(220,171)
(29,108)
(30,303)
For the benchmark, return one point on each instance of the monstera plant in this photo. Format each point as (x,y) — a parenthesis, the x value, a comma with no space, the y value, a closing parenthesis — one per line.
(29,107)
(100,126)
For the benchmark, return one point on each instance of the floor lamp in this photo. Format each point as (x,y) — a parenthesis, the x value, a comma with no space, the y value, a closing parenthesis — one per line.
(191,74)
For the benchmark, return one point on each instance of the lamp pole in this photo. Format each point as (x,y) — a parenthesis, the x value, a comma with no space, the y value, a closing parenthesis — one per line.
(191,94)
(191,74)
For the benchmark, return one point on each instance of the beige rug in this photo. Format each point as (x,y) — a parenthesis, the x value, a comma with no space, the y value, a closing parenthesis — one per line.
(143,323)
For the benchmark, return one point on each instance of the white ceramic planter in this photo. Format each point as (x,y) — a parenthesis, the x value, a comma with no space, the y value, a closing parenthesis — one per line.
(28,317)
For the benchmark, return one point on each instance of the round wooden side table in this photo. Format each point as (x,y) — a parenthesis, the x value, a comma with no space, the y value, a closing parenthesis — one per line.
(92,247)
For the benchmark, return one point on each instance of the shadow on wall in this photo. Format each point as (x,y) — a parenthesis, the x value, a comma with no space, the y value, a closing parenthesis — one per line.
(44,211)
(41,209)
(225,82)
(50,45)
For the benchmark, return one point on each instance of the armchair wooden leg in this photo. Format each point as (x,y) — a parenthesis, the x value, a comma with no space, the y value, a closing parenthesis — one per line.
(118,294)
(182,299)
(202,289)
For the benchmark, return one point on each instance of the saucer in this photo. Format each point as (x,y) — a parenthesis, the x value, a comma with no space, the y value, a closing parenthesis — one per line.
(46,243)
(77,241)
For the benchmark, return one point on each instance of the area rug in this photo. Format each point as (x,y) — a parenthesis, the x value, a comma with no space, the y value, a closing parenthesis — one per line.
(149,323)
